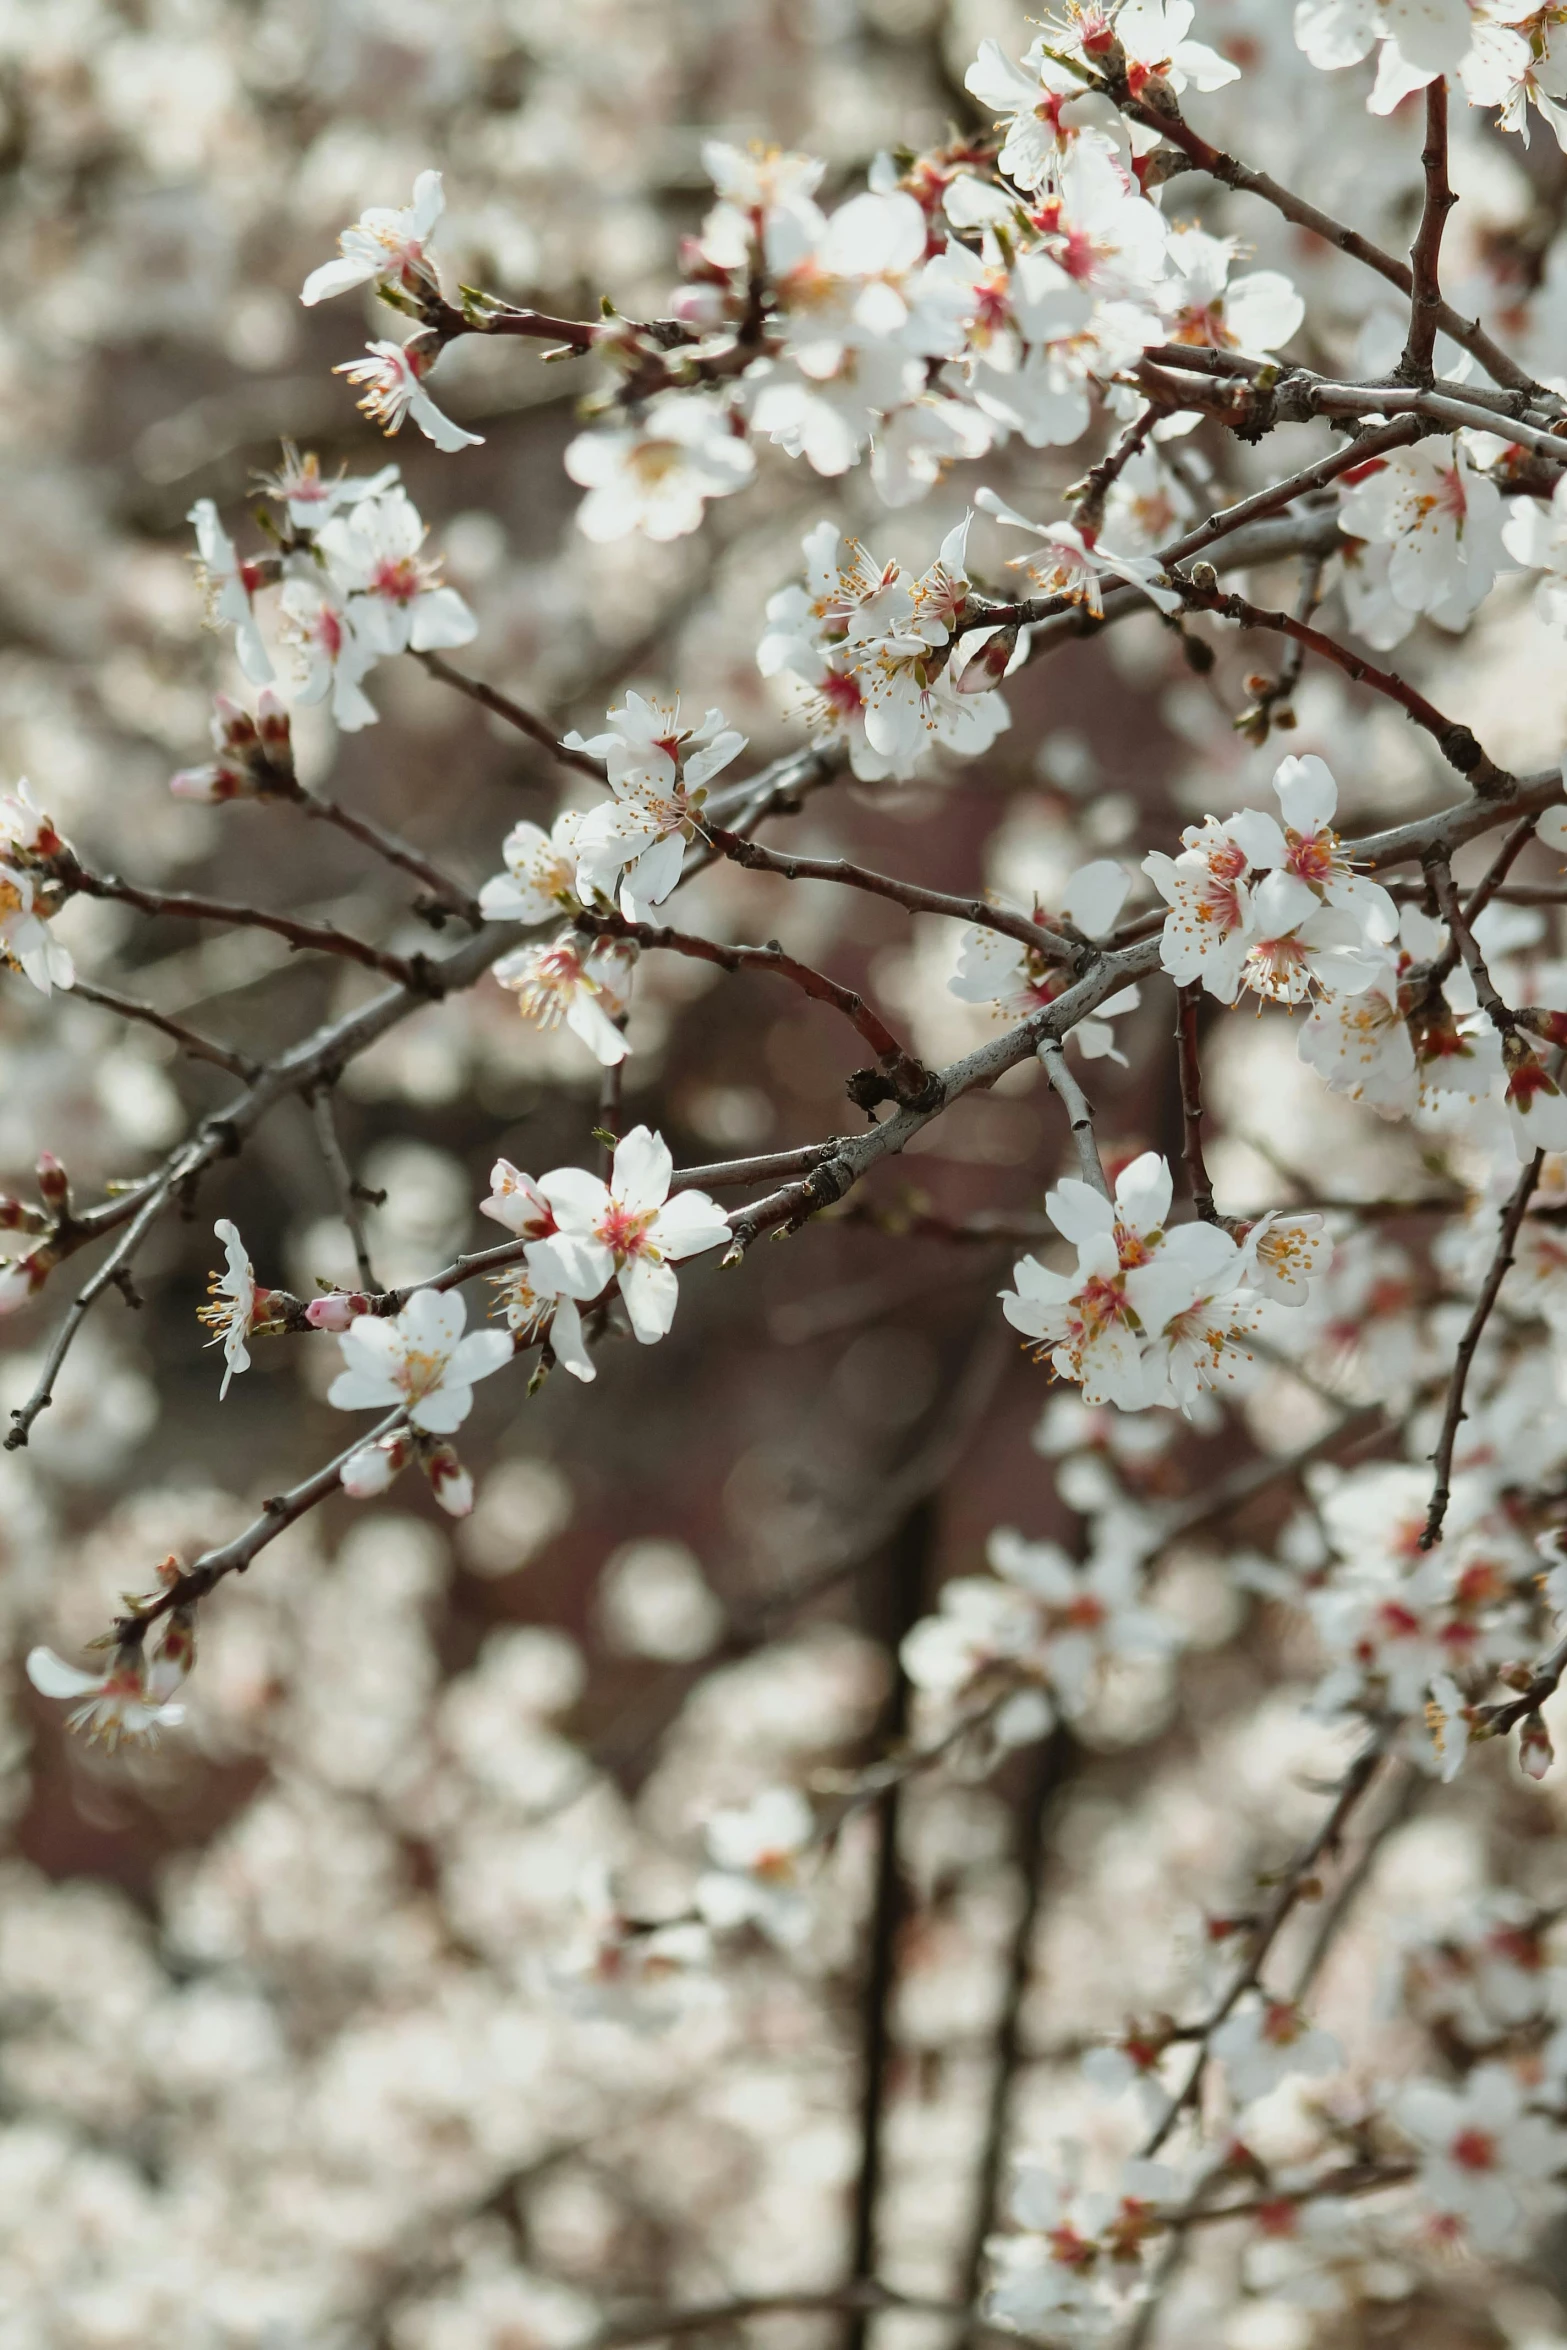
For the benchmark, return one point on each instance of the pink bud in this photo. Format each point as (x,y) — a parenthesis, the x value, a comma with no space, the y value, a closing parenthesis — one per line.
(54,1185)
(336,1311)
(1535,1753)
(699,306)
(273,721)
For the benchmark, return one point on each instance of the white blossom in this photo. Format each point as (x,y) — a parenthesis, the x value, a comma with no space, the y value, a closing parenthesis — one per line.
(418,1360)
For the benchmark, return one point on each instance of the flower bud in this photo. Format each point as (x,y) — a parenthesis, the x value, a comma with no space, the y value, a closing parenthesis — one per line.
(370,1470)
(1535,1752)
(987,658)
(336,1310)
(449,1480)
(23,1277)
(699,306)
(54,1185)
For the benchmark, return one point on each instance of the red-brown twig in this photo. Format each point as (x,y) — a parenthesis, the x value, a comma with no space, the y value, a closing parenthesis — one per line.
(1456,743)
(502,706)
(908,1077)
(1033,935)
(1468,333)
(323,938)
(1425,258)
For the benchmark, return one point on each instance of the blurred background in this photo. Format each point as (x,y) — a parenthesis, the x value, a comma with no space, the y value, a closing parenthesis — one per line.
(281,2062)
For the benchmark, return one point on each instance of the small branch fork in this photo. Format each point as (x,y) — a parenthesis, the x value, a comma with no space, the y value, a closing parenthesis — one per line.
(908,1078)
(1080,1116)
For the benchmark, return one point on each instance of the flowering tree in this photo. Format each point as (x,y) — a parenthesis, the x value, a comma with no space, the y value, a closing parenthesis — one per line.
(1275,1655)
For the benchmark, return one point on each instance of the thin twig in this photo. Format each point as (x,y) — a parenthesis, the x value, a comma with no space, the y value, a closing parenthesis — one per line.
(200,1048)
(1454,1414)
(348,1192)
(909,1079)
(502,706)
(1033,935)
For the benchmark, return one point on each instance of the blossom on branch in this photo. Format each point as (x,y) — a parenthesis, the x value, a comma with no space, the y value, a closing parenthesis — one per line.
(386,247)
(630,1231)
(419,1361)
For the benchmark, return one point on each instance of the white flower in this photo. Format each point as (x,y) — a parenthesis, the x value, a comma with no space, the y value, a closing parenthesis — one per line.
(1257,312)
(1299,945)
(25,825)
(419,1360)
(1088,1615)
(1264,2041)
(397,603)
(756,1879)
(333,655)
(26,940)
(1485,2161)
(764,183)
(1088,1319)
(393,378)
(994,968)
(1282,1253)
(1442,520)
(230,586)
(1195,1320)
(232,1314)
(657,770)
(1511,70)
(384,244)
(1208,930)
(1153,35)
(1536,1105)
(656,476)
(1535,535)
(628,1230)
(540,880)
(1044,107)
(1074,560)
(130,1700)
(1079,2265)
(585,982)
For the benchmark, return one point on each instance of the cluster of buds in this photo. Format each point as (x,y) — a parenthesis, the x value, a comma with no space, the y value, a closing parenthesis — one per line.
(22,1277)
(255,755)
(371,1471)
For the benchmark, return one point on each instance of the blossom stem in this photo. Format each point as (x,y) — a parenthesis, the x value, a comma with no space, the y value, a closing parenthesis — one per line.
(181,905)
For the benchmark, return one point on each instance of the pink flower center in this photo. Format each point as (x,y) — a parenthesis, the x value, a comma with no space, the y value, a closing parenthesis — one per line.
(397,579)
(625,1230)
(1474,2149)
